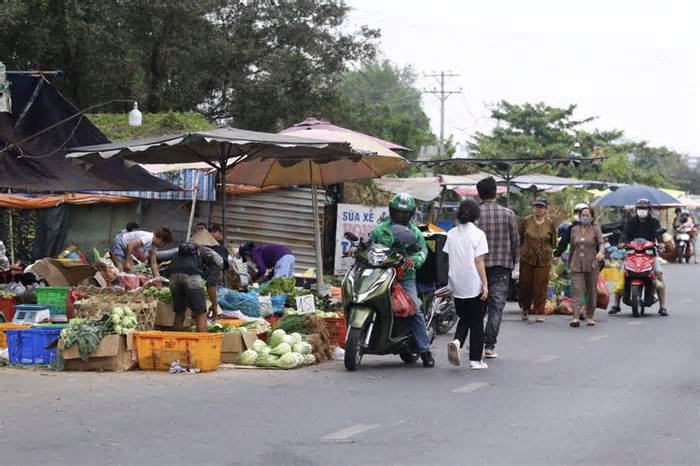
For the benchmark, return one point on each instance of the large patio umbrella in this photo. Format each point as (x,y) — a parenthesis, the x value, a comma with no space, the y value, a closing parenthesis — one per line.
(222,149)
(377,161)
(626,196)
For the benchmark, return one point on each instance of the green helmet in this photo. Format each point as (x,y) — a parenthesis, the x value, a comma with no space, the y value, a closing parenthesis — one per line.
(403,202)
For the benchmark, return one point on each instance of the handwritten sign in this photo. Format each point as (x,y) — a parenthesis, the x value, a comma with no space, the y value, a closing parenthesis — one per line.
(306,304)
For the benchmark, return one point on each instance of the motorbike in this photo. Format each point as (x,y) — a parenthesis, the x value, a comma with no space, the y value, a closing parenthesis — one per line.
(683,240)
(366,291)
(439,309)
(640,289)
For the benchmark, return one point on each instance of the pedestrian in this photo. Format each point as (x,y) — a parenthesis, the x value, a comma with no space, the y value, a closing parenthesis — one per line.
(565,236)
(538,238)
(587,251)
(466,247)
(501,228)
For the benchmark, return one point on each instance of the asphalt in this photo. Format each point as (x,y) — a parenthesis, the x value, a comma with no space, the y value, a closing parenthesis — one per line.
(624,392)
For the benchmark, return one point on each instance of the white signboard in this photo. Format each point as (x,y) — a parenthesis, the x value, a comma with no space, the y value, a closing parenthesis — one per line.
(358,219)
(306,304)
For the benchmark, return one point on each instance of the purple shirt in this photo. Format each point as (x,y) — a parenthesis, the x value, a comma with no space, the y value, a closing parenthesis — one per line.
(266,256)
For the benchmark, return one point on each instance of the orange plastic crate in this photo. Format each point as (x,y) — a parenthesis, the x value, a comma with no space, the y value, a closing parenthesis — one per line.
(7,307)
(156,351)
(10,326)
(337,329)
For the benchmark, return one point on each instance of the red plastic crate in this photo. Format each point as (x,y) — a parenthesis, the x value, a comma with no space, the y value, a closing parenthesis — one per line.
(7,307)
(337,329)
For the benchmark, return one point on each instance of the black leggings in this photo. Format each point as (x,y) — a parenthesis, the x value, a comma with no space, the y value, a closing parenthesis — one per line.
(471,321)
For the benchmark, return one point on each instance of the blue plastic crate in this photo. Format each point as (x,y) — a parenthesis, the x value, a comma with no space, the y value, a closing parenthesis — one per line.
(28,346)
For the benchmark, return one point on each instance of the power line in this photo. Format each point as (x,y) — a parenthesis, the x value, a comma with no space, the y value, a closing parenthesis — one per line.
(442,95)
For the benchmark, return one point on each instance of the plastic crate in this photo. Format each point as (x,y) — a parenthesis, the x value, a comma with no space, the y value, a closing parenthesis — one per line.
(157,350)
(10,326)
(28,346)
(7,307)
(337,329)
(56,297)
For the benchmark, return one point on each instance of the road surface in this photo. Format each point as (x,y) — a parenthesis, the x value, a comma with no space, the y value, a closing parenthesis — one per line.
(624,392)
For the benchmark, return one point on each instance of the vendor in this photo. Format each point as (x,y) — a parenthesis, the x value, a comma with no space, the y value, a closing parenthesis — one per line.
(114,246)
(266,257)
(192,268)
(142,243)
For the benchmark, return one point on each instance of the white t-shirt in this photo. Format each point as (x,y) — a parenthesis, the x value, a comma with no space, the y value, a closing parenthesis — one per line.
(146,238)
(465,243)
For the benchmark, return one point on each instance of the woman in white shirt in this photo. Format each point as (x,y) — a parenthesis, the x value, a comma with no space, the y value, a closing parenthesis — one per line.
(466,246)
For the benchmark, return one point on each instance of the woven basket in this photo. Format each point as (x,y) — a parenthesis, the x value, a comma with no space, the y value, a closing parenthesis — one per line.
(95,306)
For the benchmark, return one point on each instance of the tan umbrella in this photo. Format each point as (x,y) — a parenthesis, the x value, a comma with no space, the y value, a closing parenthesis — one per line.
(377,160)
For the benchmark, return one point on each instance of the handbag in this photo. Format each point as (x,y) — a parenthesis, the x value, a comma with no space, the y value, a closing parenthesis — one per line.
(602,293)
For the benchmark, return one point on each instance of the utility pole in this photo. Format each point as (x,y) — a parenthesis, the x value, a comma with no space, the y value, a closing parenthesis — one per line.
(442,96)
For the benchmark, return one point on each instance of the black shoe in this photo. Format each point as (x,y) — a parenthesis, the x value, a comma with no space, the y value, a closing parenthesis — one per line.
(663,312)
(614,310)
(427,358)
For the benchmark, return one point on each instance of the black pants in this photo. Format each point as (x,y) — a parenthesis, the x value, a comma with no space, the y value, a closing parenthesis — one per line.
(471,321)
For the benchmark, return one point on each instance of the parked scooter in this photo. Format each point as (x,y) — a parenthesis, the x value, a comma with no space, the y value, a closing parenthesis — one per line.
(640,289)
(366,289)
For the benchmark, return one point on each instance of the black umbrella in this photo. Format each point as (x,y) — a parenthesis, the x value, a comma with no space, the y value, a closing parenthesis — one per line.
(626,196)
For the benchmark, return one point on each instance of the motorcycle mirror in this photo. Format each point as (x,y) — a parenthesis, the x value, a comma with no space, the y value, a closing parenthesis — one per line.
(660,231)
(350,236)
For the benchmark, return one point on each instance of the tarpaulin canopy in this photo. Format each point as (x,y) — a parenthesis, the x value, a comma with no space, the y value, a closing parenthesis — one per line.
(314,124)
(424,189)
(38,164)
(21,201)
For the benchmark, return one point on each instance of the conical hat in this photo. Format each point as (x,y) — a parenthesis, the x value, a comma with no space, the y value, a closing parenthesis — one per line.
(204,238)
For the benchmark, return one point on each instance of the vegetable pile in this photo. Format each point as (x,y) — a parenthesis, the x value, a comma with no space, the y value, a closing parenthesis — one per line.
(88,333)
(161,294)
(285,351)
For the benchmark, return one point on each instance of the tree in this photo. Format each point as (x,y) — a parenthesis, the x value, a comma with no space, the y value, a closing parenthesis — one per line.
(258,65)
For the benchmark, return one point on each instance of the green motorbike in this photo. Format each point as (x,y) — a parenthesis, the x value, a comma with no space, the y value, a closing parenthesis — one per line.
(366,289)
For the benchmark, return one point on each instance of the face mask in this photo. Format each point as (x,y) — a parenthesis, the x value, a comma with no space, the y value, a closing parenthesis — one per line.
(642,213)
(586,220)
(577,218)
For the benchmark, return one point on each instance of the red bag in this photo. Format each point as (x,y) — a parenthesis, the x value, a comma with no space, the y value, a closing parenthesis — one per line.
(402,305)
(603,293)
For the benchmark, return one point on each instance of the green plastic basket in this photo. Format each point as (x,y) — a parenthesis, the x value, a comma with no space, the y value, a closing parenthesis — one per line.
(55,297)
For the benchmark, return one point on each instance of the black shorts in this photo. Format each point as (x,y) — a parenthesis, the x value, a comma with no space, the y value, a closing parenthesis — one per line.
(188,292)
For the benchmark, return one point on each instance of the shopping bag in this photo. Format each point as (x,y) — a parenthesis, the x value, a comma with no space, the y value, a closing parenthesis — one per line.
(402,305)
(603,294)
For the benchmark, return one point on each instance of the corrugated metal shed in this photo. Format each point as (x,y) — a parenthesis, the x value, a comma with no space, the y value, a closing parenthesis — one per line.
(281,217)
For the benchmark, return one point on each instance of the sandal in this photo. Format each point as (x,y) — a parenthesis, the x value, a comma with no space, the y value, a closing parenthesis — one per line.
(575,323)
(590,322)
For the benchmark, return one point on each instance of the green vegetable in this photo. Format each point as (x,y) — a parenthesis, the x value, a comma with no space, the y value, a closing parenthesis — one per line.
(277,337)
(293,323)
(281,349)
(278,286)
(296,337)
(288,361)
(266,361)
(288,339)
(309,359)
(265,351)
(302,348)
(247,358)
(160,294)
(258,345)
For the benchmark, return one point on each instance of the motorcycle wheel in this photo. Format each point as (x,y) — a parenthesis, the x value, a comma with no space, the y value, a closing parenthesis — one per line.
(448,319)
(635,300)
(409,358)
(353,350)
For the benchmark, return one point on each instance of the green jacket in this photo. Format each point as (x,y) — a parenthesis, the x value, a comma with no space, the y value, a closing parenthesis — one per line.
(382,235)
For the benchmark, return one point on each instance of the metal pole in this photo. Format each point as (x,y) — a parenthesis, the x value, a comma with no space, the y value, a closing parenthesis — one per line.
(508,178)
(192,209)
(222,180)
(441,149)
(317,238)
(12,234)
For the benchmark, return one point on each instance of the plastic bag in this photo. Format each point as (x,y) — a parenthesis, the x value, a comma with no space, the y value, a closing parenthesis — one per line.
(402,305)
(231,300)
(603,294)
(265,304)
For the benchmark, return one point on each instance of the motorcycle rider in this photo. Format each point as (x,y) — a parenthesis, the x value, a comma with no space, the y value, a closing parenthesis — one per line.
(643,225)
(401,210)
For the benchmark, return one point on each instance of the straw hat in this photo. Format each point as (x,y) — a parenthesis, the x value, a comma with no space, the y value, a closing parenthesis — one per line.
(204,238)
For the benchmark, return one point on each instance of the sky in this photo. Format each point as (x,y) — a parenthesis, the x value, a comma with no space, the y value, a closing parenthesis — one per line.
(635,65)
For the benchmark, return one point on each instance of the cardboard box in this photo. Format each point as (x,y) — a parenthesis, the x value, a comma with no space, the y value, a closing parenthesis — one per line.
(113,354)
(234,344)
(165,316)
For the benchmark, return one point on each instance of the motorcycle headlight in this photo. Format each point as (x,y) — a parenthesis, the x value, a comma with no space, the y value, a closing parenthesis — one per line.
(376,258)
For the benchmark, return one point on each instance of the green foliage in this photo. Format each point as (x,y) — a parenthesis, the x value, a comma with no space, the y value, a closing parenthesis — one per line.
(257,65)
(116,125)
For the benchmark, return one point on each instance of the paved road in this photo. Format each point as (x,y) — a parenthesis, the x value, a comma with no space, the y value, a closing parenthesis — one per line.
(624,392)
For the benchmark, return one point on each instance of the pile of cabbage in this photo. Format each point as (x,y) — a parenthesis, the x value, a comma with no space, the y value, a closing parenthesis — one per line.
(283,352)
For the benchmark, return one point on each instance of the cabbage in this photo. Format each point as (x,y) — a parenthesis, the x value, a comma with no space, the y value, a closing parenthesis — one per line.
(288,339)
(288,361)
(302,348)
(265,351)
(266,361)
(247,358)
(296,336)
(258,345)
(309,359)
(281,349)
(276,337)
